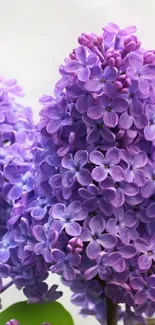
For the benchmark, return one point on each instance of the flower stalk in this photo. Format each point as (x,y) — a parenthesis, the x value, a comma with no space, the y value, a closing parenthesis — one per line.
(111,312)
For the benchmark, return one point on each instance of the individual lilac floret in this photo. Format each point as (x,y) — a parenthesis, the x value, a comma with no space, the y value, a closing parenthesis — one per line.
(145,289)
(122,189)
(46,240)
(135,172)
(98,78)
(147,248)
(107,165)
(95,197)
(149,130)
(96,237)
(68,217)
(108,109)
(143,74)
(123,224)
(149,187)
(82,64)
(75,169)
(101,267)
(65,264)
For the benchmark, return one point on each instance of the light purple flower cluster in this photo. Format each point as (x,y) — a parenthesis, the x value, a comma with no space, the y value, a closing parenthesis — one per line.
(18,197)
(96,168)
(89,213)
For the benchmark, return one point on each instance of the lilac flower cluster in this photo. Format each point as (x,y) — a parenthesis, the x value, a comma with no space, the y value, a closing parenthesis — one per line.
(96,171)
(84,206)
(17,198)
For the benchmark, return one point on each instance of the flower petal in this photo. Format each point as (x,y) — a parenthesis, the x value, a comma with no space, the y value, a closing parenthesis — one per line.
(92,250)
(84,177)
(81,158)
(68,272)
(93,85)
(95,112)
(125,121)
(73,228)
(128,251)
(110,119)
(117,173)
(97,225)
(129,189)
(137,283)
(149,132)
(148,189)
(148,71)
(73,66)
(150,211)
(97,158)
(91,273)
(99,173)
(107,240)
(136,61)
(84,74)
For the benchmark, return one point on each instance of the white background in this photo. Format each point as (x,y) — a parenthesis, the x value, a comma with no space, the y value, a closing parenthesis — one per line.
(36,35)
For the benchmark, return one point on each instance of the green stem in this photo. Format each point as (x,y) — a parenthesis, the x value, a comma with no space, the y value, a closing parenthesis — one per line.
(111,312)
(151,321)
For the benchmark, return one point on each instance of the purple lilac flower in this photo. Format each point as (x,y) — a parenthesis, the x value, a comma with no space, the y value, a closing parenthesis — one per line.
(101,267)
(45,239)
(98,78)
(108,109)
(98,131)
(145,289)
(117,258)
(68,217)
(134,172)
(96,237)
(65,264)
(75,169)
(107,165)
(5,245)
(41,293)
(96,198)
(20,182)
(122,189)
(148,252)
(122,224)
(149,186)
(82,64)
(150,128)
(58,116)
(131,319)
(143,74)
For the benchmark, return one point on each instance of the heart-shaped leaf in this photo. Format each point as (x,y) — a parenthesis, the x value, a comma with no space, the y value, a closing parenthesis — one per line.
(36,314)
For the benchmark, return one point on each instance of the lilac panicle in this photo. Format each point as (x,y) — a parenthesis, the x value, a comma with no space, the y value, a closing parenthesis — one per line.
(19,258)
(79,197)
(97,134)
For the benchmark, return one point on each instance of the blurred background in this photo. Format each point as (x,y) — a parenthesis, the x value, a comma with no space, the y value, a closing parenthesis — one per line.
(36,36)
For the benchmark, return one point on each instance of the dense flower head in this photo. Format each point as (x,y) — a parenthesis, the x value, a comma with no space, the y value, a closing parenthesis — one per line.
(96,167)
(90,216)
(18,198)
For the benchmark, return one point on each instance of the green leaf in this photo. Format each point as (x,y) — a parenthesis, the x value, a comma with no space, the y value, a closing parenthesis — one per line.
(36,314)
